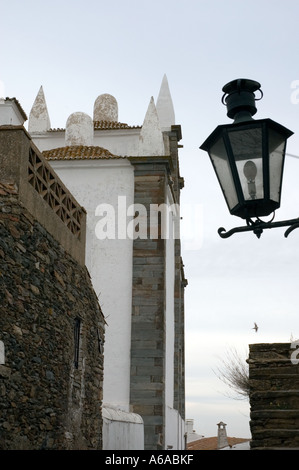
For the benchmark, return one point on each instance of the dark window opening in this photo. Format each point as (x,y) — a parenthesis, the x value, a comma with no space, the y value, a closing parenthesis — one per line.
(100,342)
(77,341)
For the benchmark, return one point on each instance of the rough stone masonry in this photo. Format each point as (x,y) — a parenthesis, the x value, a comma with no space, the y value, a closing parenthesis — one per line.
(51,332)
(274,397)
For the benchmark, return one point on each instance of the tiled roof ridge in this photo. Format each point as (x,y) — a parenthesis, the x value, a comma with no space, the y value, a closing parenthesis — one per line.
(102,125)
(78,152)
(210,443)
(112,125)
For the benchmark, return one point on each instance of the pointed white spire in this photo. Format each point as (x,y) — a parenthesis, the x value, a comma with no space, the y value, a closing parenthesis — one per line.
(165,107)
(151,141)
(39,120)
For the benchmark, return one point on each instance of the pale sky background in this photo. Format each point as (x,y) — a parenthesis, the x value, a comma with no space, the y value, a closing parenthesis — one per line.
(80,49)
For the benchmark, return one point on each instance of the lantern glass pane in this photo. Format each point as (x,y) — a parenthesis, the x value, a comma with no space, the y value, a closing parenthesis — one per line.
(277,145)
(220,161)
(247,148)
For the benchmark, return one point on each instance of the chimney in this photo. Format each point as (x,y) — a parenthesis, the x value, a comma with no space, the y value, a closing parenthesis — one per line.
(222,437)
(11,112)
(189,425)
(79,130)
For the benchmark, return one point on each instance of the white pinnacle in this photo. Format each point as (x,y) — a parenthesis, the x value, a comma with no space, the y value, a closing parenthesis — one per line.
(165,107)
(39,120)
(151,141)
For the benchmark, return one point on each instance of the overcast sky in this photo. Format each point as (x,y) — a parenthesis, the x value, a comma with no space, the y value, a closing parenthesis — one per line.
(80,49)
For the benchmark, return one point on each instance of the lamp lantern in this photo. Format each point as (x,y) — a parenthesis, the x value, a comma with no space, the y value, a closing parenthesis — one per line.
(248,155)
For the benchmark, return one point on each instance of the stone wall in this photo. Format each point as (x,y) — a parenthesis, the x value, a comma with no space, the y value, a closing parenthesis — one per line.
(52,330)
(274,396)
(41,191)
(149,325)
(148,313)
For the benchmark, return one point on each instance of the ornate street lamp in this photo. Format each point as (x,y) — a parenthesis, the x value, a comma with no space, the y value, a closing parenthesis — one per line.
(248,158)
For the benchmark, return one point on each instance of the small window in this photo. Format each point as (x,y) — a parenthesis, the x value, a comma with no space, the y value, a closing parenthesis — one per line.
(2,353)
(77,328)
(100,342)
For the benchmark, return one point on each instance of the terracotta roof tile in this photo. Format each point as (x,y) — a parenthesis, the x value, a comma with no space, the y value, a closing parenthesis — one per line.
(103,125)
(112,125)
(78,152)
(210,443)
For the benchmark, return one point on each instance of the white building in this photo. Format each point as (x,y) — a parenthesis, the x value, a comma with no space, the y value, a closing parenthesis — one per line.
(127,178)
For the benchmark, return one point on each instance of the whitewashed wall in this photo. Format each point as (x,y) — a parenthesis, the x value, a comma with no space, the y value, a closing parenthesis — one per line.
(122,431)
(118,142)
(174,425)
(175,430)
(93,183)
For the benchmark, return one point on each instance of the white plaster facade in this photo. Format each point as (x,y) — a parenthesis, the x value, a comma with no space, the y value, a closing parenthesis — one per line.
(175,428)
(122,430)
(109,262)
(110,181)
(175,425)
(11,112)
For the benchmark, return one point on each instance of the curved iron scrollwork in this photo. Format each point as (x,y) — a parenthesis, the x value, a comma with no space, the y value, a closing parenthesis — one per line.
(258,226)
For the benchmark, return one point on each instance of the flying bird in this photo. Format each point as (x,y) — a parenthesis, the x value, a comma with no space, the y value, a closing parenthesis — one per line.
(255,327)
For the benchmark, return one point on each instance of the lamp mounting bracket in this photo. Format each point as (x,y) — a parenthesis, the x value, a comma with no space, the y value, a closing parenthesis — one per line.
(258,226)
